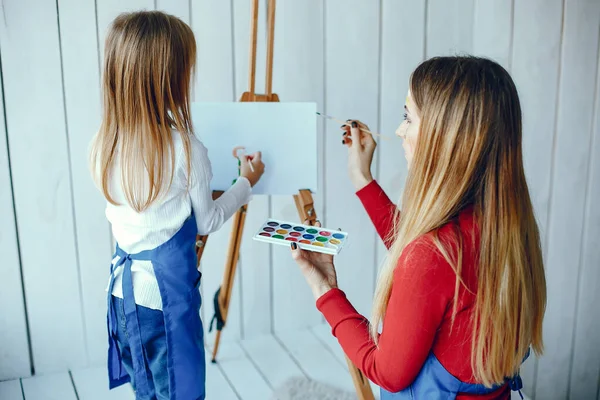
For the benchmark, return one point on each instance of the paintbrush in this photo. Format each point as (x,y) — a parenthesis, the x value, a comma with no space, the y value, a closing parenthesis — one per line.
(339,121)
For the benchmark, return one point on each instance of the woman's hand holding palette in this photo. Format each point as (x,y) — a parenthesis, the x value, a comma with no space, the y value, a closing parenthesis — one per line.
(305,236)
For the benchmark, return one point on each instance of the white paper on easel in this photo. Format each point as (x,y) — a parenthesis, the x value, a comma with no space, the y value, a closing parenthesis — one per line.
(285,133)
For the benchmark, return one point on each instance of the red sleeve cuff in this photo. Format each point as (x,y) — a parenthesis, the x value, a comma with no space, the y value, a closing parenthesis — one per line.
(372,189)
(335,307)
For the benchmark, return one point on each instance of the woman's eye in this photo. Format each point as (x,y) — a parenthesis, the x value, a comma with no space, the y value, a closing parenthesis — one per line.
(406,118)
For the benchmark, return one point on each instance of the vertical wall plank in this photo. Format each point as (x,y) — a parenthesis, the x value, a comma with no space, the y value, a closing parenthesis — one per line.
(535,63)
(568,192)
(211,22)
(255,269)
(31,69)
(82,101)
(449,27)
(178,8)
(351,84)
(492,30)
(298,75)
(536,53)
(14,352)
(402,49)
(585,367)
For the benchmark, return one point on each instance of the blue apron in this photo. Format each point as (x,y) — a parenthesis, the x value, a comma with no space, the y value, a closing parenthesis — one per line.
(174,264)
(434,382)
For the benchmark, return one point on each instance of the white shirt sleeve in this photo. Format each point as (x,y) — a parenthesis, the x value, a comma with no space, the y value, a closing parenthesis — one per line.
(211,214)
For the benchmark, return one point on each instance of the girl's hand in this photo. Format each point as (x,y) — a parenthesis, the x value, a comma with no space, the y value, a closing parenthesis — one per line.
(361,147)
(257,164)
(317,268)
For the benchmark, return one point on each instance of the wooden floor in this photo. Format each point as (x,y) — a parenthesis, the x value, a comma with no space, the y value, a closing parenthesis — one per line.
(248,370)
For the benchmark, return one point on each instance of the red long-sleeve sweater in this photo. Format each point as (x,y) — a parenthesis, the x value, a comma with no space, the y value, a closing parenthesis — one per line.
(418,317)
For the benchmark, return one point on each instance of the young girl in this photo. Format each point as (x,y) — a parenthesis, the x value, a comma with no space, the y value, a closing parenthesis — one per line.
(463,293)
(155,176)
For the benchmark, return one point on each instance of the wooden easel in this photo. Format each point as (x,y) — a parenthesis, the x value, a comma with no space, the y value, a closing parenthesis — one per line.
(304,201)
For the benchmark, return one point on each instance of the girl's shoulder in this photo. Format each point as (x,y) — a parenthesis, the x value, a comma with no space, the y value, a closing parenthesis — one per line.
(197,149)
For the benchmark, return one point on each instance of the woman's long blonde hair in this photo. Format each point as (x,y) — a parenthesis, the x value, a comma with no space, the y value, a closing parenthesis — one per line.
(468,153)
(149,58)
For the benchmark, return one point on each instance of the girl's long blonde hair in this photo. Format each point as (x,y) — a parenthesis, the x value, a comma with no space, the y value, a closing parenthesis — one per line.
(149,58)
(468,153)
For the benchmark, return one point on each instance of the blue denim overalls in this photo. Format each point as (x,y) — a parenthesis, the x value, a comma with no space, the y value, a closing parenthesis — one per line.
(174,264)
(435,383)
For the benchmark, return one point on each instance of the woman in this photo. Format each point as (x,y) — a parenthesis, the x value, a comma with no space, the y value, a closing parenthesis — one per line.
(462,294)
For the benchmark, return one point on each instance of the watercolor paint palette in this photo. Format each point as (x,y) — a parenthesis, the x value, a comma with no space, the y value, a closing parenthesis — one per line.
(307,237)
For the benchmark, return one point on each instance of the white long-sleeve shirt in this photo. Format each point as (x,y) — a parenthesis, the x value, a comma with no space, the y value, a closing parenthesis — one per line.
(135,232)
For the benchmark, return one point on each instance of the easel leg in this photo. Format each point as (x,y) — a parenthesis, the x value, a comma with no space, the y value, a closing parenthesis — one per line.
(361,383)
(216,346)
(202,239)
(230,269)
(200,246)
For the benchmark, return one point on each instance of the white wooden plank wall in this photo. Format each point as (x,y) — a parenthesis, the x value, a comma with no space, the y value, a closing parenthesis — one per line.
(352,39)
(535,71)
(14,359)
(41,176)
(354,59)
(298,75)
(402,49)
(81,76)
(576,93)
(212,25)
(254,315)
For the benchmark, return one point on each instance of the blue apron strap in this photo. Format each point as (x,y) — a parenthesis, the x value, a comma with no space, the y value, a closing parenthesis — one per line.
(112,318)
(114,355)
(133,329)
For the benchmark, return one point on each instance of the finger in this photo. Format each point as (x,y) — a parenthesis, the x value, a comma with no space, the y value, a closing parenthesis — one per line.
(318,223)
(355,134)
(346,136)
(362,125)
(347,141)
(296,252)
(257,156)
(346,131)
